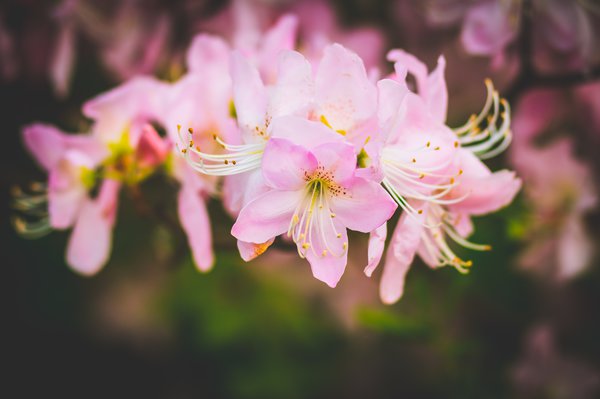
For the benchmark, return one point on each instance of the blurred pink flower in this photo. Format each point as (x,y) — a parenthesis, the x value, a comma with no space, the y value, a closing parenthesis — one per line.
(561,192)
(70,161)
(543,371)
(562,31)
(319,27)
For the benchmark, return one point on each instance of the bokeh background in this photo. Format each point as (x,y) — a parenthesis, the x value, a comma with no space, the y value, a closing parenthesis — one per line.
(150,325)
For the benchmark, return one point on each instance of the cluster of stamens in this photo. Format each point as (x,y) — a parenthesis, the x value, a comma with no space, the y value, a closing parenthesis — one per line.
(236,159)
(405,180)
(434,242)
(312,223)
(31,220)
(488,133)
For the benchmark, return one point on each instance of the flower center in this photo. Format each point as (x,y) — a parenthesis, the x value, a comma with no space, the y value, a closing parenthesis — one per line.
(313,226)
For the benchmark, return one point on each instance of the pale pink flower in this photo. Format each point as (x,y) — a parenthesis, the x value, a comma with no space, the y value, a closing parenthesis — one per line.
(314,197)
(438,182)
(561,190)
(489,27)
(477,191)
(200,102)
(122,148)
(70,161)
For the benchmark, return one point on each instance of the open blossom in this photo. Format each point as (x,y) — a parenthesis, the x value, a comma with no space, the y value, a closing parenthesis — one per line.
(314,196)
(295,145)
(70,161)
(122,148)
(442,183)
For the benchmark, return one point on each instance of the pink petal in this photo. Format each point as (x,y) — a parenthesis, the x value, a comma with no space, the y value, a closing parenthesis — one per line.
(366,206)
(401,252)
(535,111)
(487,194)
(437,91)
(337,159)
(249,93)
(303,132)
(193,217)
(488,28)
(90,242)
(152,150)
(63,60)
(294,90)
(391,96)
(417,68)
(121,109)
(376,247)
(242,188)
(329,268)
(285,165)
(250,251)
(207,55)
(266,217)
(367,42)
(345,94)
(575,248)
(46,143)
(282,36)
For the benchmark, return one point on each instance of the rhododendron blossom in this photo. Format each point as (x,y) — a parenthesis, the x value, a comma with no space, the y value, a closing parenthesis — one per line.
(302,146)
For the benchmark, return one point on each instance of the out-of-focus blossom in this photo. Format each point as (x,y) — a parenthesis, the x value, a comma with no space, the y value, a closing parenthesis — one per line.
(543,371)
(319,27)
(559,188)
(561,30)
(122,148)
(133,42)
(70,161)
(561,192)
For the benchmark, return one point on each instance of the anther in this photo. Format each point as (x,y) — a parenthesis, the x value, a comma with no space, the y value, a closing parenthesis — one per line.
(191,130)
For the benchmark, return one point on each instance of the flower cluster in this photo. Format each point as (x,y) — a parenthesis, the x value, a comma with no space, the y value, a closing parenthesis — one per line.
(301,147)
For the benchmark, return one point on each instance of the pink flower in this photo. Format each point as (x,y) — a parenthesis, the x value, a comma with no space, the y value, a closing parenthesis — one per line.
(438,183)
(561,190)
(121,149)
(315,196)
(489,27)
(70,161)
(477,191)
